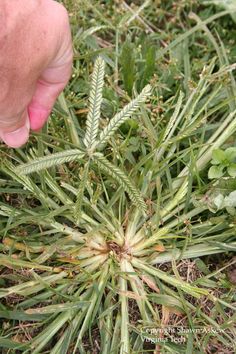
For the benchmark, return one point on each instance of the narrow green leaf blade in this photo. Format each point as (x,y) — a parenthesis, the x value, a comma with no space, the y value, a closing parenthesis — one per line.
(80,194)
(127,62)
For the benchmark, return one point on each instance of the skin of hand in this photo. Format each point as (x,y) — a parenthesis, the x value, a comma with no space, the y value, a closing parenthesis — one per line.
(35,64)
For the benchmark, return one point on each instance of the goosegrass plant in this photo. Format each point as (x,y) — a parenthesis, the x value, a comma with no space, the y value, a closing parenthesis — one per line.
(101,210)
(112,249)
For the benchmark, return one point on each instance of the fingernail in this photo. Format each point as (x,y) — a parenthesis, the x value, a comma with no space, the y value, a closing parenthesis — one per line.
(18,137)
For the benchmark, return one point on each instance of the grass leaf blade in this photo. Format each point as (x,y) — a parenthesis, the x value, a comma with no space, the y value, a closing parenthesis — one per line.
(80,194)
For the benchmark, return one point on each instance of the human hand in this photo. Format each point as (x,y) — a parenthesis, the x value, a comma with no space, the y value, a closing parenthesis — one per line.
(35,64)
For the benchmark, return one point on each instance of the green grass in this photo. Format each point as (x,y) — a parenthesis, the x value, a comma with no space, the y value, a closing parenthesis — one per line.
(113,240)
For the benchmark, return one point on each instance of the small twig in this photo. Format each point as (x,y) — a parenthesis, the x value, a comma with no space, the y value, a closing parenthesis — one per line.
(136,15)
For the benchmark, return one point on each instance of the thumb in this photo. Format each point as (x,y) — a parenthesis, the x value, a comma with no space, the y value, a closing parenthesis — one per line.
(55,76)
(51,83)
(20,134)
